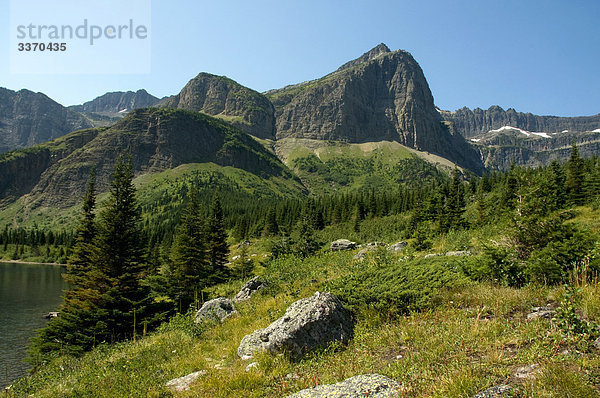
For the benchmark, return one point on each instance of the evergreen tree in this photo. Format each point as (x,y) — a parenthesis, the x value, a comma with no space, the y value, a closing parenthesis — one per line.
(575,177)
(78,324)
(271,226)
(189,270)
(305,242)
(455,203)
(557,185)
(121,259)
(216,243)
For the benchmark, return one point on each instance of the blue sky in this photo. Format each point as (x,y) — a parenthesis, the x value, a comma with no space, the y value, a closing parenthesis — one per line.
(535,56)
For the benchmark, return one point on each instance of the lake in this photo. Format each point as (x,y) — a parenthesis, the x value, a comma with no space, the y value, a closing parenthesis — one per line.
(27,293)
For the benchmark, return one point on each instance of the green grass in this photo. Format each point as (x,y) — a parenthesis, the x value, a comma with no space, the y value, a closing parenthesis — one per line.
(460,338)
(330,166)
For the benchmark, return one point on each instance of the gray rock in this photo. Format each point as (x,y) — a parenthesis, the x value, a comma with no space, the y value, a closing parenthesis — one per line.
(431,255)
(495,392)
(372,385)
(396,247)
(249,288)
(342,244)
(527,372)
(217,309)
(183,383)
(541,313)
(458,253)
(253,365)
(307,324)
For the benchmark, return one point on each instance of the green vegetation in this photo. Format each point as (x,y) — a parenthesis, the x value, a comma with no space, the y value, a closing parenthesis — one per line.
(442,324)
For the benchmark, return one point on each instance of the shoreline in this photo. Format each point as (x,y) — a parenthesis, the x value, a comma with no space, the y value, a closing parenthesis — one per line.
(30,262)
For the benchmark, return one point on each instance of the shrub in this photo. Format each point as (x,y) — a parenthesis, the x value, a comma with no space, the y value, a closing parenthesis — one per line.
(393,288)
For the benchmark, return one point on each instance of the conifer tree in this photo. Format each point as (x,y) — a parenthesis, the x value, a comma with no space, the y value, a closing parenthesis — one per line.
(189,270)
(271,226)
(575,177)
(455,203)
(76,328)
(216,243)
(121,256)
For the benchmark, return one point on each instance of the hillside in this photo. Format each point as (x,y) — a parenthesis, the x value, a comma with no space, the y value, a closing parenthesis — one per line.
(28,118)
(157,139)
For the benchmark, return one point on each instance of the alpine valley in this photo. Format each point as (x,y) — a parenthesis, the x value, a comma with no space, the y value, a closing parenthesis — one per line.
(339,237)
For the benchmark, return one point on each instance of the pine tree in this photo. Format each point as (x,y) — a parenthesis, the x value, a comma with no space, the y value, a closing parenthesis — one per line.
(305,242)
(455,203)
(76,328)
(271,226)
(216,242)
(189,269)
(575,177)
(121,259)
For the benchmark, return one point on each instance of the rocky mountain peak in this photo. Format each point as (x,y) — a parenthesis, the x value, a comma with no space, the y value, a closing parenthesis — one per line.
(366,57)
(228,100)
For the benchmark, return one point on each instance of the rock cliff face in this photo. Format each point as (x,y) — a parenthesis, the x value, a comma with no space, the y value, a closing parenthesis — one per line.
(21,170)
(498,151)
(382,95)
(476,122)
(28,118)
(157,139)
(224,98)
(115,102)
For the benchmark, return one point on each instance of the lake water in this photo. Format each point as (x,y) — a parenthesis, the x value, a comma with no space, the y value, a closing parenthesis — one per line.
(27,293)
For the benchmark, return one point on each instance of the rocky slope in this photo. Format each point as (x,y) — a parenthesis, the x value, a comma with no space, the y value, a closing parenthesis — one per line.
(476,122)
(226,99)
(499,149)
(506,137)
(157,139)
(116,103)
(382,95)
(28,118)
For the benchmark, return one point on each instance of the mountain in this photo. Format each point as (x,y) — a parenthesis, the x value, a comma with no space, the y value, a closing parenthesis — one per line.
(157,139)
(110,107)
(226,99)
(501,147)
(506,137)
(472,123)
(28,118)
(382,95)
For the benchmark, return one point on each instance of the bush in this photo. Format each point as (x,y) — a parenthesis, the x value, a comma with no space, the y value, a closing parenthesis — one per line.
(393,288)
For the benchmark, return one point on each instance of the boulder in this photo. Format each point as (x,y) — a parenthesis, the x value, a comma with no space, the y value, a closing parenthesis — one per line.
(342,244)
(217,309)
(495,392)
(527,372)
(458,253)
(307,324)
(371,385)
(431,255)
(183,383)
(249,288)
(396,247)
(546,312)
